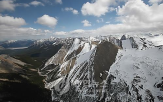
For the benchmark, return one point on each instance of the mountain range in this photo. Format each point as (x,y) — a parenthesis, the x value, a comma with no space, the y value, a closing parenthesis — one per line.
(107,69)
(113,68)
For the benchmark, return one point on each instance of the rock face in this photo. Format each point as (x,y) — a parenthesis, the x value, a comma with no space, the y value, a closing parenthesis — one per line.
(106,69)
(123,37)
(102,62)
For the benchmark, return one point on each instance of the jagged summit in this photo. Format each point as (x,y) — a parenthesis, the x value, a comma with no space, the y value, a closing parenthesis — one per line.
(106,69)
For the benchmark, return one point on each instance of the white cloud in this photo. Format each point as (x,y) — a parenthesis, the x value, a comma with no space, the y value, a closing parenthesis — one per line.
(11,21)
(72,10)
(86,23)
(97,8)
(58,1)
(135,17)
(155,1)
(10,5)
(60,33)
(77,31)
(74,33)
(11,28)
(7,5)
(112,9)
(100,20)
(10,33)
(75,11)
(136,12)
(107,22)
(36,3)
(68,8)
(47,21)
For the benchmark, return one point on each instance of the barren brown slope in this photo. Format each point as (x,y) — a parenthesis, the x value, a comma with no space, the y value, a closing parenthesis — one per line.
(10,65)
(104,58)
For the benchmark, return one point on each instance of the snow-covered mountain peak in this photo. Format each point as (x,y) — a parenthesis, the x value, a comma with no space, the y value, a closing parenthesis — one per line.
(107,69)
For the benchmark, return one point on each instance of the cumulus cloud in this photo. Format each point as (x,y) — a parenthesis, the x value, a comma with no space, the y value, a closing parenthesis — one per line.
(11,21)
(11,28)
(72,10)
(46,20)
(36,3)
(134,17)
(75,11)
(97,8)
(7,5)
(86,23)
(136,12)
(10,5)
(58,1)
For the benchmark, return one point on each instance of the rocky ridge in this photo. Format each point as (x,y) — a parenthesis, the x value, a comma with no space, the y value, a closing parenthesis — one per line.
(106,69)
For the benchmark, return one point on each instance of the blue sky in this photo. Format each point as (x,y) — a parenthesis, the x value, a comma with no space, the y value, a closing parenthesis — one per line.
(31,19)
(67,21)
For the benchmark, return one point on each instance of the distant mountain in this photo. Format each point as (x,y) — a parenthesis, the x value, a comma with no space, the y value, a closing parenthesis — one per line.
(1,48)
(17,43)
(107,69)
(37,51)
